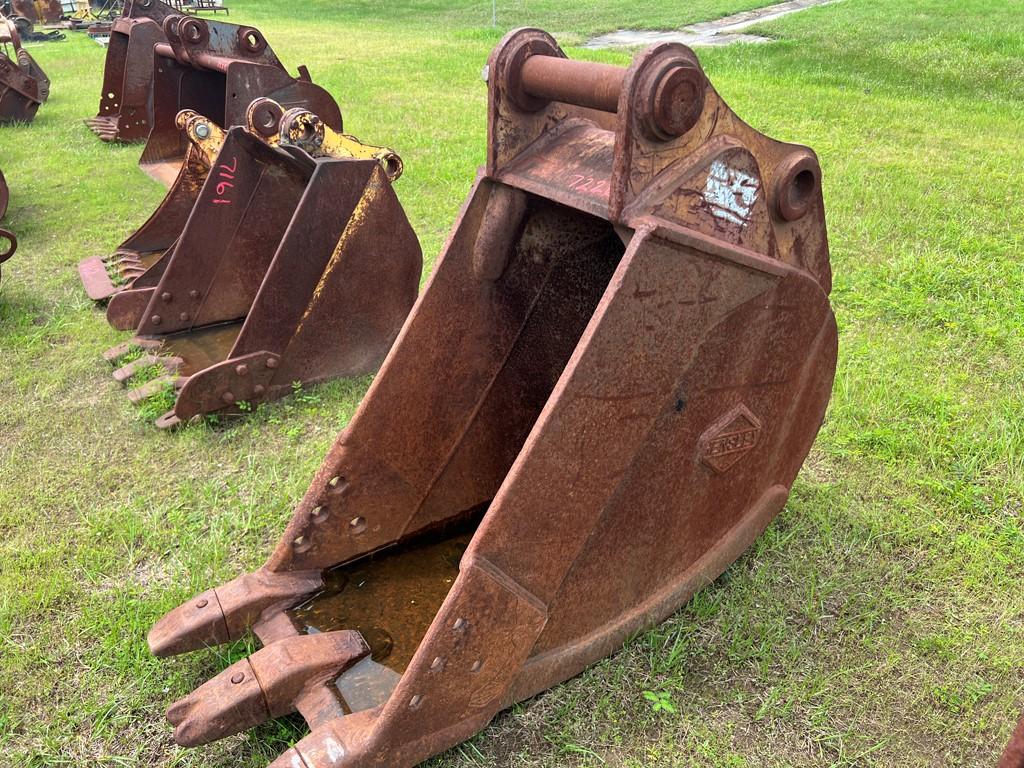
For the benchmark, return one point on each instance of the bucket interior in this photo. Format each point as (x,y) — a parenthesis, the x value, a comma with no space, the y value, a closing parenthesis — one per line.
(560,267)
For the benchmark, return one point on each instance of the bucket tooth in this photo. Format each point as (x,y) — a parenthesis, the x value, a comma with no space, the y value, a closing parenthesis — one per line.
(264,686)
(125,372)
(115,353)
(226,613)
(150,389)
(619,364)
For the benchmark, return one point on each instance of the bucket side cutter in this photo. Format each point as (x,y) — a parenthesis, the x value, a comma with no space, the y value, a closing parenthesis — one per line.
(601,398)
(290,268)
(23,84)
(218,69)
(125,111)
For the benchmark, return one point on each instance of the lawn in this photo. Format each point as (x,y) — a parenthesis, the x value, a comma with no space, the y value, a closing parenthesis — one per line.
(880,619)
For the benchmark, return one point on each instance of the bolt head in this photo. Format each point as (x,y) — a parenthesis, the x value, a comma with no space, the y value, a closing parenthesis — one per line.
(272,362)
(156,319)
(237,677)
(165,297)
(242,369)
(202,603)
(228,397)
(183,317)
(202,130)
(193,294)
(258,390)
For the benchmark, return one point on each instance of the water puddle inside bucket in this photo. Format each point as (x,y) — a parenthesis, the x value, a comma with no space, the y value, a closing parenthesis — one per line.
(202,347)
(390,598)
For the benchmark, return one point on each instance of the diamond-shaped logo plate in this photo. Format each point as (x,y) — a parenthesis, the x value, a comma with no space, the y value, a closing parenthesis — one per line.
(729,439)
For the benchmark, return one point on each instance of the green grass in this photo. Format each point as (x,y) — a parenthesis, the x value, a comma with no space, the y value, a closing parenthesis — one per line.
(877,622)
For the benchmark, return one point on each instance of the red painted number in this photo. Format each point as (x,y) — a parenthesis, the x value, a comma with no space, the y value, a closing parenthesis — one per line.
(225,173)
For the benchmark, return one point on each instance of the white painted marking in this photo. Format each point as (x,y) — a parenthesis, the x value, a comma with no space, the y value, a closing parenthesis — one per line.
(334,750)
(730,193)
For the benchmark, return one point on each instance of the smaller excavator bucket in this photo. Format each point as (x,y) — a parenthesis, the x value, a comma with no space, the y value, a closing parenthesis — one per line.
(8,242)
(125,112)
(142,253)
(601,398)
(23,85)
(290,268)
(218,69)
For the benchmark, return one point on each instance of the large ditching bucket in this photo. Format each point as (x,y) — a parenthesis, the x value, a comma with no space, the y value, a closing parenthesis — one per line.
(8,242)
(601,398)
(23,84)
(218,69)
(126,112)
(293,266)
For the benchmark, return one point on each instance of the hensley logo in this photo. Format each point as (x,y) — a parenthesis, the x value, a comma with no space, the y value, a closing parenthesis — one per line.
(729,439)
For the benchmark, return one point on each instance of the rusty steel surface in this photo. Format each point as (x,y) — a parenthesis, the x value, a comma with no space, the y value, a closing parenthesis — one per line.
(218,69)
(8,242)
(289,267)
(125,111)
(140,257)
(38,11)
(1013,756)
(601,398)
(23,84)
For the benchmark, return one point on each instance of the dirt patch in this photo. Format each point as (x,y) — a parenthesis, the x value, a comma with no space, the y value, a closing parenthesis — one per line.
(724,31)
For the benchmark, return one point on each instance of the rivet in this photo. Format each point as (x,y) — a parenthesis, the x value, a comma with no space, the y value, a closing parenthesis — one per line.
(202,603)
(272,362)
(228,397)
(193,294)
(165,296)
(477,666)
(319,514)
(415,701)
(237,677)
(242,369)
(437,664)
(183,317)
(460,625)
(155,319)
(258,390)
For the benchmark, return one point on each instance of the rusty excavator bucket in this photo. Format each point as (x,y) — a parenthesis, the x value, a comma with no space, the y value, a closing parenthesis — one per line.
(23,84)
(601,398)
(218,69)
(293,266)
(8,242)
(125,112)
(143,252)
